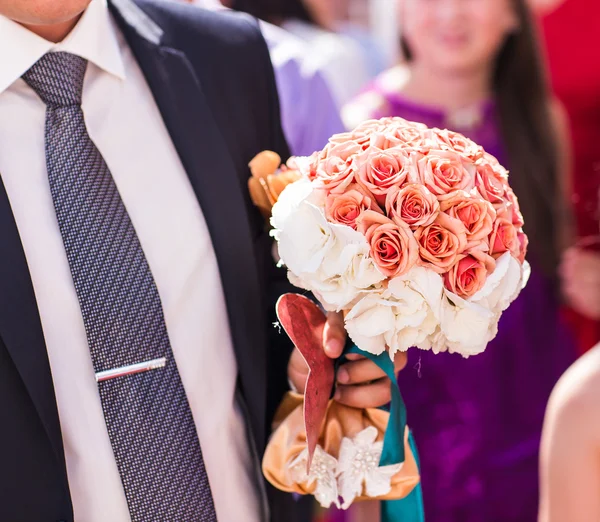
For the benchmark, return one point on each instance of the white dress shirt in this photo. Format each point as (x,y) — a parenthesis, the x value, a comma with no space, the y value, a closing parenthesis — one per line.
(125,124)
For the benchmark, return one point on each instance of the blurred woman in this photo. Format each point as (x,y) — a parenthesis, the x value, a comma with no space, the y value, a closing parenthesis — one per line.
(473,66)
(338,58)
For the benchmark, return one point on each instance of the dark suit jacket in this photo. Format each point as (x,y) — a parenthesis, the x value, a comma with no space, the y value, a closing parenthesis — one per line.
(212,80)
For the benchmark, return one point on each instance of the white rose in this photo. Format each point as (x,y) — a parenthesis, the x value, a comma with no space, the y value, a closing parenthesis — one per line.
(399,317)
(467,326)
(417,297)
(346,277)
(526,274)
(328,259)
(305,240)
(290,199)
(368,322)
(428,283)
(436,342)
(503,285)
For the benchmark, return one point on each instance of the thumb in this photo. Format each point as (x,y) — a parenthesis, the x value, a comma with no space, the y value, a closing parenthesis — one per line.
(334,335)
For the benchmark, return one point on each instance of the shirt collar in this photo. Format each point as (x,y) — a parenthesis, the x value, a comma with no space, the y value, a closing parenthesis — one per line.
(93,38)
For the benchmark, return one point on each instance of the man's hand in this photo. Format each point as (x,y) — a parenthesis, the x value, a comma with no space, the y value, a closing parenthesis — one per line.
(360,382)
(580,273)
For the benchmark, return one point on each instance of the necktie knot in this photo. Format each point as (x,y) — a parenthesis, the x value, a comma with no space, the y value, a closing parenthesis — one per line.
(57,78)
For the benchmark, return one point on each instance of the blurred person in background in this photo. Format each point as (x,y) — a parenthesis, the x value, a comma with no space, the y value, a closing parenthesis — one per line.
(570,31)
(351,18)
(309,114)
(339,58)
(474,67)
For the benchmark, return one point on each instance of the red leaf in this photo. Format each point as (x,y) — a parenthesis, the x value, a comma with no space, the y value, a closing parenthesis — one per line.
(304,321)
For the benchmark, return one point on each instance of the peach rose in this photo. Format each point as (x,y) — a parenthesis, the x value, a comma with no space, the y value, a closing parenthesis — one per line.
(393,246)
(504,239)
(443,172)
(347,207)
(335,174)
(384,141)
(306,166)
(413,204)
(515,210)
(411,136)
(441,243)
(468,275)
(523,245)
(360,138)
(379,170)
(491,160)
(490,183)
(477,215)
(344,150)
(371,126)
(459,143)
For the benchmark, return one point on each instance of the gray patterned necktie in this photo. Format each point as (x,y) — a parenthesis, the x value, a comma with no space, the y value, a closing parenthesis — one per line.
(147,414)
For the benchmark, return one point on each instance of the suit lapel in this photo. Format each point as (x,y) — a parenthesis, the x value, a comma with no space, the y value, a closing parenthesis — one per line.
(207,160)
(21,328)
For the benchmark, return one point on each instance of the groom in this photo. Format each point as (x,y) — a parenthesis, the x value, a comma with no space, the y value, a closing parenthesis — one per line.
(139,369)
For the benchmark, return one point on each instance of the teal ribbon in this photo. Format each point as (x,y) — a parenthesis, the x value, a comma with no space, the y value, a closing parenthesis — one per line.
(410,508)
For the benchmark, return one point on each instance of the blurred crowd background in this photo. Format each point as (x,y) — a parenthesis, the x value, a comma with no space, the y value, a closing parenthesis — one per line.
(522,78)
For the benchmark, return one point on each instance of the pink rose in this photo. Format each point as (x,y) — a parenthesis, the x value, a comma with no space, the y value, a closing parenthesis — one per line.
(411,136)
(523,244)
(371,126)
(441,243)
(344,150)
(305,166)
(459,143)
(504,239)
(469,274)
(476,214)
(515,210)
(490,184)
(335,174)
(443,172)
(491,160)
(345,208)
(380,170)
(360,138)
(401,122)
(384,140)
(393,246)
(413,204)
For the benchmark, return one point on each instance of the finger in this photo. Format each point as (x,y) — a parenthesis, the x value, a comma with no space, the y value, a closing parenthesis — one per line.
(354,357)
(400,361)
(334,335)
(298,370)
(367,396)
(365,370)
(359,372)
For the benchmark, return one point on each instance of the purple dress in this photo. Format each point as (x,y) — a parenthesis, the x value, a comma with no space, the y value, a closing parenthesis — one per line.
(477,421)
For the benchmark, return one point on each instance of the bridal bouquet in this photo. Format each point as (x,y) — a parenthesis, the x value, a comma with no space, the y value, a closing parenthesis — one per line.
(414,233)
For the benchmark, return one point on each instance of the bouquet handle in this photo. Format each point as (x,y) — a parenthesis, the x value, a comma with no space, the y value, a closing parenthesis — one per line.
(410,508)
